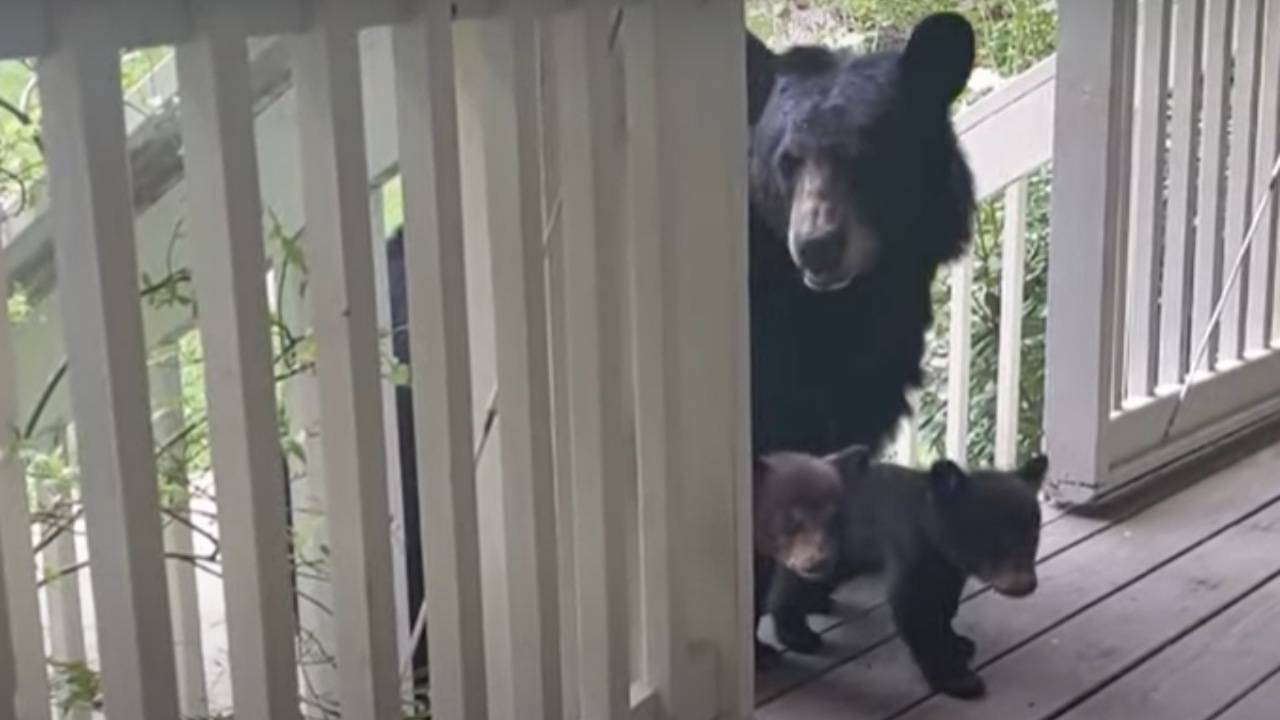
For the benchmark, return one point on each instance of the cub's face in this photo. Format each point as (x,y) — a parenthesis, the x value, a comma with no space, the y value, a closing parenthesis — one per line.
(797,505)
(989,521)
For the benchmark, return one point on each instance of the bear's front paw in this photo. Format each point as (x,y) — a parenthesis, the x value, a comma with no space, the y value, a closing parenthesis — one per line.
(796,635)
(965,647)
(767,657)
(963,684)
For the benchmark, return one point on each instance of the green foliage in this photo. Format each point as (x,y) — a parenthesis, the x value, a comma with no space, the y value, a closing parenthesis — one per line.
(1013,35)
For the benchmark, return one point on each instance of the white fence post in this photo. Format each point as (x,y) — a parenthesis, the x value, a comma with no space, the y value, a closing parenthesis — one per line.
(1092,121)
(335,193)
(184,605)
(21,632)
(435,277)
(686,84)
(594,288)
(501,89)
(229,269)
(98,282)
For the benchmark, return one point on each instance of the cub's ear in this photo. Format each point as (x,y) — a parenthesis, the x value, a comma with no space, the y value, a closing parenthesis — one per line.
(762,71)
(1034,471)
(947,480)
(938,59)
(851,462)
(761,466)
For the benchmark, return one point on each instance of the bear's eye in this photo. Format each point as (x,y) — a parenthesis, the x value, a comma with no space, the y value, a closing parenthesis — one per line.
(791,523)
(788,165)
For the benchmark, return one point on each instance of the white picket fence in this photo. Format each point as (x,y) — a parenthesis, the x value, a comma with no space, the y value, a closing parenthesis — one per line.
(619,585)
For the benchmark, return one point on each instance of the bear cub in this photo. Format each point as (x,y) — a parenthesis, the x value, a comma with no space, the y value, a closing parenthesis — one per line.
(796,498)
(929,530)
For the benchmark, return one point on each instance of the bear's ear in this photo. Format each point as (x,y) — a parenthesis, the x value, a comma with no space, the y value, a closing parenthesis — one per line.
(762,71)
(939,58)
(761,466)
(947,480)
(851,462)
(1034,471)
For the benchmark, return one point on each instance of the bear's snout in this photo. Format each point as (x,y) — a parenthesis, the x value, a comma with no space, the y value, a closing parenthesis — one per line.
(812,557)
(821,254)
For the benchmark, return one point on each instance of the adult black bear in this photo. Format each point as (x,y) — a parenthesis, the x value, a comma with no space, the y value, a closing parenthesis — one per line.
(929,530)
(859,194)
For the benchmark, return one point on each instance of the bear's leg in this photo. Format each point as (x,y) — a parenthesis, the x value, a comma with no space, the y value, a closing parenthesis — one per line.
(789,601)
(766,657)
(924,599)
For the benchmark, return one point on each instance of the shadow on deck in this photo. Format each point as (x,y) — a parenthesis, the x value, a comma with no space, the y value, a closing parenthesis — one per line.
(1164,604)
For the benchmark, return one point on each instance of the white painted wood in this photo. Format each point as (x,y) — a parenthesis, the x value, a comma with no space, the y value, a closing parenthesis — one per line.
(342,294)
(65,612)
(1266,305)
(959,334)
(24,28)
(1240,194)
(405,616)
(594,284)
(1147,221)
(180,572)
(121,23)
(1259,312)
(8,659)
(665,666)
(83,127)
(228,269)
(27,681)
(1212,185)
(1090,184)
(1013,243)
(553,234)
(1176,282)
(502,91)
(244,18)
(438,327)
(689,213)
(1009,133)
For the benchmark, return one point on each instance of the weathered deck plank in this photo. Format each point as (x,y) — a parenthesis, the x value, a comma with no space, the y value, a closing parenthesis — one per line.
(873,676)
(1203,672)
(1260,704)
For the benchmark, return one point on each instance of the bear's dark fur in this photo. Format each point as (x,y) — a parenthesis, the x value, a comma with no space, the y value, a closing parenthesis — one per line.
(859,192)
(930,531)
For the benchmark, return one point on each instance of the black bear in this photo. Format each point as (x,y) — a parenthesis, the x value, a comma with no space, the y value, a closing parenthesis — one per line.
(796,499)
(929,530)
(859,193)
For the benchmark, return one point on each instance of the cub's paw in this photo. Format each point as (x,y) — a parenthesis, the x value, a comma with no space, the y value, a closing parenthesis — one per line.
(797,636)
(820,604)
(963,684)
(965,647)
(767,657)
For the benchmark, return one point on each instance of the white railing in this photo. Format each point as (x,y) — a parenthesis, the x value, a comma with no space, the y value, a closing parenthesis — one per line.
(1167,122)
(621,442)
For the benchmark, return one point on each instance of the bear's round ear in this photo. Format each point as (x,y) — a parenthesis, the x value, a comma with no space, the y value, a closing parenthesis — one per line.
(762,71)
(1034,471)
(761,466)
(939,58)
(947,479)
(851,462)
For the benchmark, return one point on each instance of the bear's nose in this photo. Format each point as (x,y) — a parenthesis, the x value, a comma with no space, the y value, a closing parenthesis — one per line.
(821,254)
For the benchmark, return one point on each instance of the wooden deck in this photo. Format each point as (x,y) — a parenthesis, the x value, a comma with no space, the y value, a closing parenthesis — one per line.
(1162,605)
